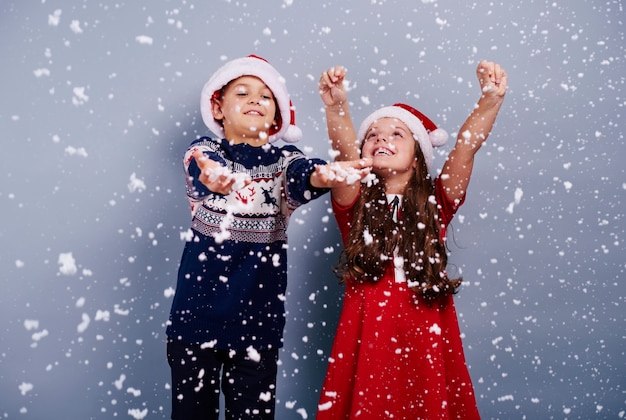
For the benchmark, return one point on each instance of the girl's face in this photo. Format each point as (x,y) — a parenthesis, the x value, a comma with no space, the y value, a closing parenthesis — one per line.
(246,109)
(391,145)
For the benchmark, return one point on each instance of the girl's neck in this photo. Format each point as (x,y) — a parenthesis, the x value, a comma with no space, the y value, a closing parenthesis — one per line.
(395,185)
(395,182)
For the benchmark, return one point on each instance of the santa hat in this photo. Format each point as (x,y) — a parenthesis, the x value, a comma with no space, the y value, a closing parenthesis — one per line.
(252,65)
(424,130)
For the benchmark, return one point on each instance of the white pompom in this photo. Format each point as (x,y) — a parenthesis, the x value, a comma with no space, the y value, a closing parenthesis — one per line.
(292,135)
(438,137)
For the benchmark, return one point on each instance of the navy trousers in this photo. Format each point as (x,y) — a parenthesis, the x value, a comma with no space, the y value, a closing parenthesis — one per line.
(198,375)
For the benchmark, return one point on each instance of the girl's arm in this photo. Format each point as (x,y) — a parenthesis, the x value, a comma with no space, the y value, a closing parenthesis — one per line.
(340,127)
(458,167)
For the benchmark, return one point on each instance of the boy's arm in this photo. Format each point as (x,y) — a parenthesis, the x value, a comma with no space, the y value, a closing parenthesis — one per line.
(340,127)
(340,175)
(217,178)
(309,178)
(458,167)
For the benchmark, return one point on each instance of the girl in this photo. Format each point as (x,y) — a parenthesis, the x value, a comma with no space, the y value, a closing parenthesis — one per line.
(397,351)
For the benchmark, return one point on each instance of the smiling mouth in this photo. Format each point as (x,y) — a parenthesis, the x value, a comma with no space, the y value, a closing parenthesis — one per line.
(254,113)
(382,152)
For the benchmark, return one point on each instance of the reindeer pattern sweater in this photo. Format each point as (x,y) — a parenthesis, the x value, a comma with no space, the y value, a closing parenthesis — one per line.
(232,277)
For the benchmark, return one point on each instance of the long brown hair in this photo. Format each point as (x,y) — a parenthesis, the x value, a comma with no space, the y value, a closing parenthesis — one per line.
(415,236)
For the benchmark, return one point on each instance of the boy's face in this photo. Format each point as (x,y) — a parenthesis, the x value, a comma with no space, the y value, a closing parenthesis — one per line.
(247,110)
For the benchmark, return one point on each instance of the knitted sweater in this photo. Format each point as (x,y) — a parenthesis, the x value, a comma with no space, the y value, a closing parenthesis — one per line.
(233,272)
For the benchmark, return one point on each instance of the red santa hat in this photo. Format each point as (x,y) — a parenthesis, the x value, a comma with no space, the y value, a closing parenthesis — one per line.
(252,65)
(424,130)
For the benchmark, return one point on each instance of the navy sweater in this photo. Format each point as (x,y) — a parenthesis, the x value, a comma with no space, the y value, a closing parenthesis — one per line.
(230,292)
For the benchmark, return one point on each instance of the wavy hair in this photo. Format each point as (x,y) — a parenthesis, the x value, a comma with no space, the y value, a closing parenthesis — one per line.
(374,236)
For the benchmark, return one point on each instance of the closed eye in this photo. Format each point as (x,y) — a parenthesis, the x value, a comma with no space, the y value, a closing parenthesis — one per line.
(370,135)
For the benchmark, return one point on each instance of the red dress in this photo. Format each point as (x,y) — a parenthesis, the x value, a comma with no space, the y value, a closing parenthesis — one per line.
(396,355)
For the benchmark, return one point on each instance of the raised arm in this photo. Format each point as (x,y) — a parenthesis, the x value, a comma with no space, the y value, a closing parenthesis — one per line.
(341,130)
(338,121)
(458,167)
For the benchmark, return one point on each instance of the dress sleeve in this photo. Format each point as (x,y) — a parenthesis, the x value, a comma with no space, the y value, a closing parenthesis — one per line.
(447,208)
(343,215)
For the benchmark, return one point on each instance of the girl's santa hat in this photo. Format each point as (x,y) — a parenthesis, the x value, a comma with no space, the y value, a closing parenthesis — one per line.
(252,65)
(424,130)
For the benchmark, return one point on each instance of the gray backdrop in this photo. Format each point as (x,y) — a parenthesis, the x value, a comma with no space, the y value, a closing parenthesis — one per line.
(100,100)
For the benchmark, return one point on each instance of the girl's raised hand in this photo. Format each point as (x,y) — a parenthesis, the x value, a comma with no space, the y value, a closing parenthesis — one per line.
(331,87)
(492,79)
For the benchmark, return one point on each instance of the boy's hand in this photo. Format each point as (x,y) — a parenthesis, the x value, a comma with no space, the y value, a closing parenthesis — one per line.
(217,178)
(492,79)
(331,87)
(341,174)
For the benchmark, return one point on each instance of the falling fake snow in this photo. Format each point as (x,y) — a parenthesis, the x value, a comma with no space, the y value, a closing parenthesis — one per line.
(115,87)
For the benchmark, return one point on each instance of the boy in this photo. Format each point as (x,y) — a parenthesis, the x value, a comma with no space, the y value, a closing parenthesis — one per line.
(227,316)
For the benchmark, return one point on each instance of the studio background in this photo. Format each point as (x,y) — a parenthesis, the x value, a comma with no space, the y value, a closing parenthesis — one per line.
(101,99)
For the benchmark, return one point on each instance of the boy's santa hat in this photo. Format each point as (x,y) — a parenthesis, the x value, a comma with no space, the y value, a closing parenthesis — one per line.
(424,130)
(252,65)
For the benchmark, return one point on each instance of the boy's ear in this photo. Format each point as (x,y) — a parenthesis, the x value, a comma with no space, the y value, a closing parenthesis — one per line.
(216,110)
